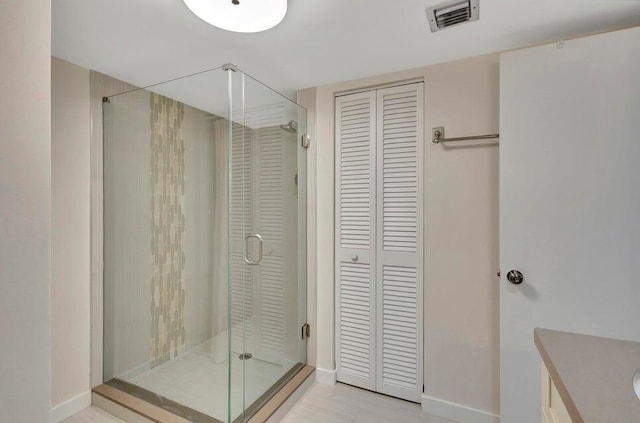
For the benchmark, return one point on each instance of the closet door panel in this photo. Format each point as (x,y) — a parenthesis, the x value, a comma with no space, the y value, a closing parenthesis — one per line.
(355,239)
(399,239)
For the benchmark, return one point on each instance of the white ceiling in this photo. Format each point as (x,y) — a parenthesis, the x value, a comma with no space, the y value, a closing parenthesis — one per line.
(319,41)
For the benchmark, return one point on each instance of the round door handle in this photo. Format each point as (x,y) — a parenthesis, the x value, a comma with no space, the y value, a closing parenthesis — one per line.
(515,277)
(354,257)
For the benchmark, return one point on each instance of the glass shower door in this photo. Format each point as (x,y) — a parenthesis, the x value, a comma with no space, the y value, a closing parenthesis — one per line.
(204,243)
(268,222)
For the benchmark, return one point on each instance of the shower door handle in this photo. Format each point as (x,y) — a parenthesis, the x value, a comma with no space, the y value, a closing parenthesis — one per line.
(246,249)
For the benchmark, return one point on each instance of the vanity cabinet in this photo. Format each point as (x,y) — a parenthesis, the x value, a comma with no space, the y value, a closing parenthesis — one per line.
(587,379)
(553,409)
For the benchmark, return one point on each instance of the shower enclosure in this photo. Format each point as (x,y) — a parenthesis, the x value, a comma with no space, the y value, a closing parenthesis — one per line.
(204,244)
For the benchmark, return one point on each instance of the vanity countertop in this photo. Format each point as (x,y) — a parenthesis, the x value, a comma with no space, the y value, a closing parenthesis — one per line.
(593,375)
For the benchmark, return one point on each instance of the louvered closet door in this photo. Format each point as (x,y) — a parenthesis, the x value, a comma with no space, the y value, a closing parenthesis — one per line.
(399,240)
(355,239)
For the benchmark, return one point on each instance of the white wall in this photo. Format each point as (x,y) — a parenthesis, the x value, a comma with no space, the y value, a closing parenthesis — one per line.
(70,271)
(461,236)
(25,211)
(461,232)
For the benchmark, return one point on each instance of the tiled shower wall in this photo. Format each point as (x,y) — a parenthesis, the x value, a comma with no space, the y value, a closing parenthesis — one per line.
(200,199)
(158,234)
(167,228)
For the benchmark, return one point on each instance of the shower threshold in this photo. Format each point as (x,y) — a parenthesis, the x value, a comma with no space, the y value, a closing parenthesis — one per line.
(155,408)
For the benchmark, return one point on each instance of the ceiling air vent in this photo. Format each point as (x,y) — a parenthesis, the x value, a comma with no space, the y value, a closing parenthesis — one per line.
(452,13)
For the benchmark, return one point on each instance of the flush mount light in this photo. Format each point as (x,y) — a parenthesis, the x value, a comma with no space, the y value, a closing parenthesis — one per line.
(240,15)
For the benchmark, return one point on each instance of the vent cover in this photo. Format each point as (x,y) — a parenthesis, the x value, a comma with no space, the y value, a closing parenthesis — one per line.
(452,13)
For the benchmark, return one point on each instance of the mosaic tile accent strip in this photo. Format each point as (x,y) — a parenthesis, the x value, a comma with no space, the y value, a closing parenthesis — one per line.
(167,229)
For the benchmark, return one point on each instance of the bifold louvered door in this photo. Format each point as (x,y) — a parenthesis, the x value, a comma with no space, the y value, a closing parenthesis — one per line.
(355,237)
(379,240)
(399,240)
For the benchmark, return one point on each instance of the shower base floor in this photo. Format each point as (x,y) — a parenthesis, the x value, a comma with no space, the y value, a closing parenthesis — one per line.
(197,381)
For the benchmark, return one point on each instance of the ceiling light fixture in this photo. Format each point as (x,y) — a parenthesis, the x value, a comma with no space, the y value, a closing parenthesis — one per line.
(240,15)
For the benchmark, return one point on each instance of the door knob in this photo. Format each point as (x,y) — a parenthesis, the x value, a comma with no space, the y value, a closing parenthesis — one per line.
(515,277)
(354,257)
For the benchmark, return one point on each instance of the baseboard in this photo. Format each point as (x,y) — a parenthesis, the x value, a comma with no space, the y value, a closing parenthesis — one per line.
(326,377)
(456,412)
(71,407)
